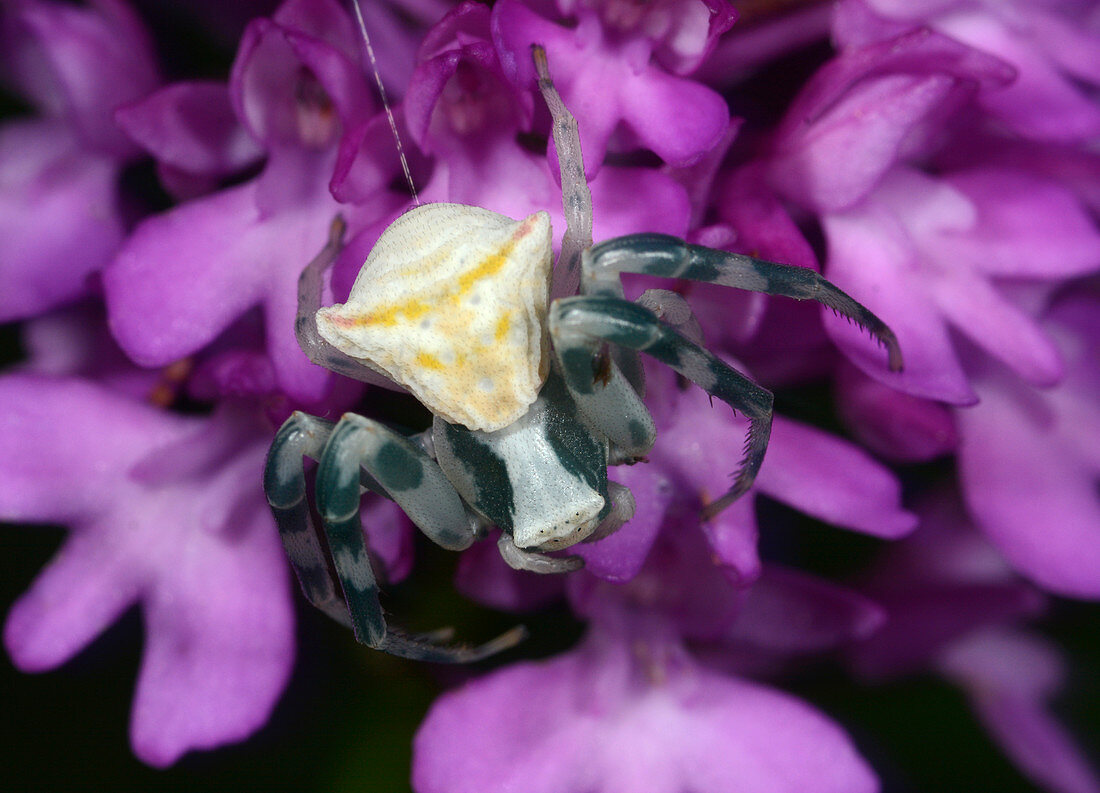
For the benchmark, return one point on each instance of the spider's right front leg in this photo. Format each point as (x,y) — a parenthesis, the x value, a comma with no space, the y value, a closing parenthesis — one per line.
(579,324)
(669,257)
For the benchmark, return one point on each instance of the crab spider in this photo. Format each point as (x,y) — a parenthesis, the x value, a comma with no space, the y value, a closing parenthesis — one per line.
(532,398)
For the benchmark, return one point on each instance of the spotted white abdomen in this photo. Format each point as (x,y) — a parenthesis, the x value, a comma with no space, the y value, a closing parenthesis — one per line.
(451,303)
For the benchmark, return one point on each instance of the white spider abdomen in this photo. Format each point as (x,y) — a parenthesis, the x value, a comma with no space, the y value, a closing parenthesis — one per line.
(451,303)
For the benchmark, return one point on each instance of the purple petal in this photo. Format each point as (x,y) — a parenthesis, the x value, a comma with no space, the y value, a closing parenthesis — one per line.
(515,28)
(178,281)
(1041,102)
(586,725)
(941,584)
(678,119)
(864,132)
(165,511)
(733,535)
(190,126)
(214,667)
(1009,677)
(857,23)
(368,161)
(892,424)
(923,621)
(483,576)
(691,29)
(947,550)
(56,470)
(666,209)
(1074,168)
(1002,329)
(86,588)
(856,116)
(77,342)
(1029,488)
(59,217)
(1025,227)
(296,86)
(787,611)
(833,480)
(764,227)
(183,277)
(697,452)
(948,230)
(871,258)
(619,557)
(683,582)
(99,58)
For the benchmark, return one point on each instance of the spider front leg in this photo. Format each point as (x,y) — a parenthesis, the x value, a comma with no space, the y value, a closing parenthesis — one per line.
(670,257)
(400,469)
(310,297)
(285,487)
(579,325)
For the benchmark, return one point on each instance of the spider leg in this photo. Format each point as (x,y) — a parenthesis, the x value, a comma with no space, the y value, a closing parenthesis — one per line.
(285,486)
(576,198)
(578,326)
(310,297)
(414,480)
(669,257)
(673,310)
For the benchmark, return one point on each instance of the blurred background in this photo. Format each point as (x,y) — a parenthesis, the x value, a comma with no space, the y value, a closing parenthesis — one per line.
(347,720)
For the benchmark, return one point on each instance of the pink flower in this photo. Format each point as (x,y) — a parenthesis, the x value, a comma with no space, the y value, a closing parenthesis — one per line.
(164,513)
(62,214)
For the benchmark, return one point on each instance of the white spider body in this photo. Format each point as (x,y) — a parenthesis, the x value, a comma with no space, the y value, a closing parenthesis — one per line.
(542,479)
(451,303)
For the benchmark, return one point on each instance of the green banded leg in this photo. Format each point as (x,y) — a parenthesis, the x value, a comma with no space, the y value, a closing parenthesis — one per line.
(669,257)
(414,480)
(284,484)
(579,325)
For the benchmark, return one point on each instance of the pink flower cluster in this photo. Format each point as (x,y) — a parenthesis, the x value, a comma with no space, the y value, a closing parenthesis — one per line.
(936,159)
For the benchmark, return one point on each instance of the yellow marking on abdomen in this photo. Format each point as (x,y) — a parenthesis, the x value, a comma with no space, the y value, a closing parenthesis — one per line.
(428,361)
(504,324)
(413,309)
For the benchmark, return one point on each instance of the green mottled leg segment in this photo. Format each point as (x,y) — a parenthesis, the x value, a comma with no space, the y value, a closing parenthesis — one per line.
(414,480)
(579,325)
(669,257)
(284,483)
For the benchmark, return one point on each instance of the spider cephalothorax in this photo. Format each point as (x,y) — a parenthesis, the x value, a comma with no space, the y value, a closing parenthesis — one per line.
(530,407)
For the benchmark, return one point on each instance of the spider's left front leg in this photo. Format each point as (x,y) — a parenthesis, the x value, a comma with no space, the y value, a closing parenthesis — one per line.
(408,475)
(579,325)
